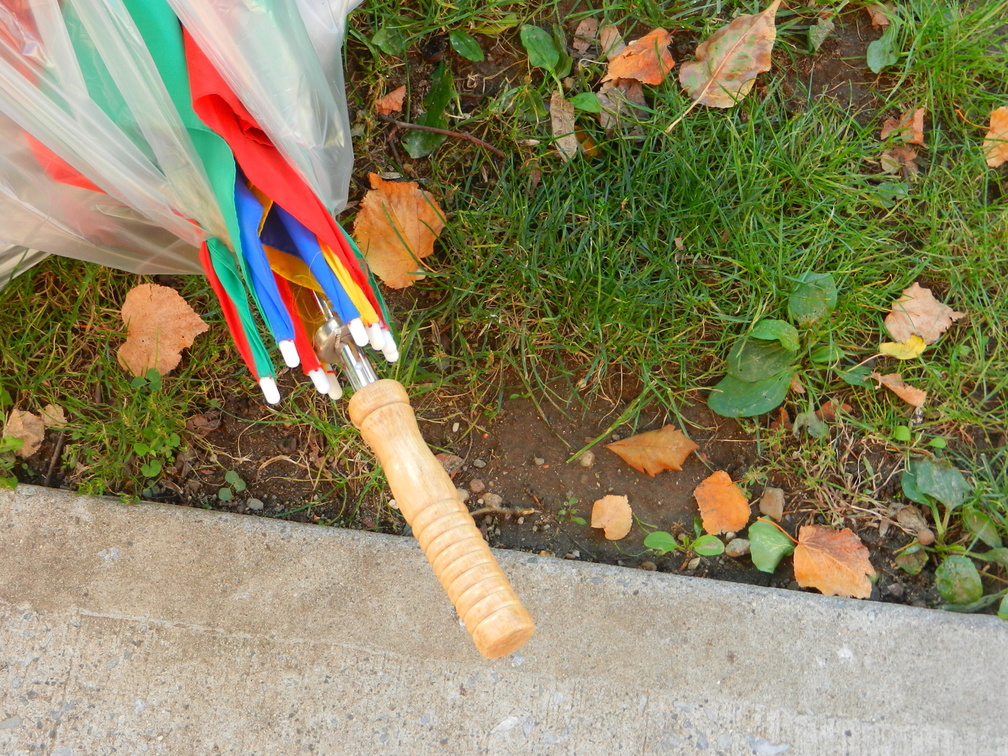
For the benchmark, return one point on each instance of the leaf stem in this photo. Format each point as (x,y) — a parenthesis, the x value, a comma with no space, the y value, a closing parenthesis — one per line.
(763,519)
(445,132)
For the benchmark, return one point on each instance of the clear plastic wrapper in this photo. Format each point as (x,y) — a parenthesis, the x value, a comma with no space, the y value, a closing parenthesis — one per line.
(45,215)
(290,80)
(80,92)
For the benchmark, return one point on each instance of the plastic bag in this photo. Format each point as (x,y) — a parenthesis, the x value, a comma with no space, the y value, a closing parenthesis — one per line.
(80,97)
(290,80)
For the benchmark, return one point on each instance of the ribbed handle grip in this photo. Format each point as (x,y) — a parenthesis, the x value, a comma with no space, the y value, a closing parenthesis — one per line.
(427,498)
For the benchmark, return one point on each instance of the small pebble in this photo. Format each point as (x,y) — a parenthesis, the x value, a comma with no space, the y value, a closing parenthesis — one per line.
(538,461)
(455,427)
(393,504)
(477,486)
(587,459)
(479,463)
(254,504)
(693,563)
(772,503)
(463,494)
(737,548)
(649,566)
(896,590)
(492,500)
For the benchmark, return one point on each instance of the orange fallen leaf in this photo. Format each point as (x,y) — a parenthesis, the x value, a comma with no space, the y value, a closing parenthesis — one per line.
(995,144)
(723,506)
(879,13)
(396,228)
(918,313)
(159,325)
(654,451)
(392,102)
(834,562)
(614,515)
(728,62)
(29,428)
(915,397)
(646,60)
(909,127)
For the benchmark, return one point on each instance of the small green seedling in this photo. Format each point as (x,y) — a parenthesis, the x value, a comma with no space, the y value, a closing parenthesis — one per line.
(569,513)
(701,544)
(762,364)
(235,484)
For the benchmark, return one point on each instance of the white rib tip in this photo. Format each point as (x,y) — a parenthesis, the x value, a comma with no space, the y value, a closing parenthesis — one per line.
(390,350)
(377,336)
(335,390)
(320,380)
(270,390)
(289,353)
(358,332)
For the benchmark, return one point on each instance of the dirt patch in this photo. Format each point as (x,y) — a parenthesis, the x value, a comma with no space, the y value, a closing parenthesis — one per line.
(526,456)
(838,70)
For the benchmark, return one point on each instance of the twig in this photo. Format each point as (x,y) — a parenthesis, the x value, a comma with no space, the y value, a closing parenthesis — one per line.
(444,132)
(57,451)
(506,511)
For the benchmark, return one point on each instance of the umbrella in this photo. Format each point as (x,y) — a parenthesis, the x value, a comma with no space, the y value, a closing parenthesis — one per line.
(155,136)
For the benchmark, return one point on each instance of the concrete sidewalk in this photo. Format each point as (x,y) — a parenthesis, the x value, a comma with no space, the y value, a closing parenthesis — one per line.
(157,629)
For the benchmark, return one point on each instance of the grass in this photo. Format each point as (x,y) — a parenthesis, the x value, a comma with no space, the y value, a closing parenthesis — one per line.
(649,259)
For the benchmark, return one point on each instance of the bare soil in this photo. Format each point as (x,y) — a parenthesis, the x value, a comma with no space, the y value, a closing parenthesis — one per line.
(521,451)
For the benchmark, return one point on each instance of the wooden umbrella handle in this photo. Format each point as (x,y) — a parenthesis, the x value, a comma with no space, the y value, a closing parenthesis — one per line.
(427,498)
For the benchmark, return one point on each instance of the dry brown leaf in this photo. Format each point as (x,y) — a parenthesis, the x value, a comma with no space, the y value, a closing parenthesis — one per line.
(53,416)
(28,427)
(392,102)
(911,520)
(918,313)
(613,513)
(396,228)
(562,119)
(908,128)
(618,100)
(915,397)
(834,562)
(723,506)
(655,451)
(728,62)
(451,463)
(995,144)
(646,60)
(205,423)
(898,159)
(585,35)
(879,13)
(159,325)
(610,42)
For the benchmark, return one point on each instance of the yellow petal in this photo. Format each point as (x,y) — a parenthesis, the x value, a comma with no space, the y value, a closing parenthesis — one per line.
(904,350)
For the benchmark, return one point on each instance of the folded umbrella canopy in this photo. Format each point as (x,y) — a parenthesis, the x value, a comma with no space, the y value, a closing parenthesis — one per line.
(157,137)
